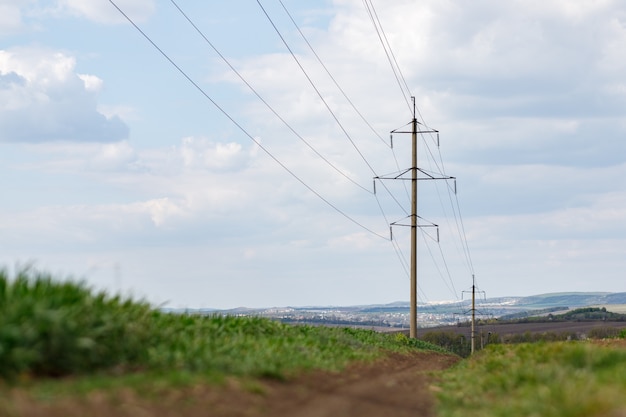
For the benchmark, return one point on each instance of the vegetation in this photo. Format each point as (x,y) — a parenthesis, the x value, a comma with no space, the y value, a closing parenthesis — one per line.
(564,379)
(535,337)
(590,313)
(56,328)
(579,314)
(529,313)
(460,344)
(605,333)
(50,328)
(452,342)
(573,299)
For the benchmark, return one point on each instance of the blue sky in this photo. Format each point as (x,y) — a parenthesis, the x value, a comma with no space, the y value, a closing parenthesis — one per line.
(115,169)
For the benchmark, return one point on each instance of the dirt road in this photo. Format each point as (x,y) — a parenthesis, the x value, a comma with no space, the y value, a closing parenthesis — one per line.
(399,385)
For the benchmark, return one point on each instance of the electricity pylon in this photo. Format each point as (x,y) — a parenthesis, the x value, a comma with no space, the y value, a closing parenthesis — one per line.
(414,223)
(473,334)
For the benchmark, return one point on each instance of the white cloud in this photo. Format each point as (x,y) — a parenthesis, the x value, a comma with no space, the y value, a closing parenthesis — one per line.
(162,209)
(124,112)
(94,225)
(10,18)
(119,155)
(76,158)
(575,11)
(23,16)
(105,12)
(43,99)
(92,83)
(509,55)
(358,241)
(613,61)
(201,153)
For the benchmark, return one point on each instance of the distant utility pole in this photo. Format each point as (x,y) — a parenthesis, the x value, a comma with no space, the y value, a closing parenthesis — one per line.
(473,332)
(414,224)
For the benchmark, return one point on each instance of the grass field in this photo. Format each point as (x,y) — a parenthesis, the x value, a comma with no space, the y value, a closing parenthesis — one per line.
(559,379)
(61,340)
(51,329)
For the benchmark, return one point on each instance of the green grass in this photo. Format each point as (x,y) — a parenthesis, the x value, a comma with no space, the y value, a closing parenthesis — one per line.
(564,379)
(52,328)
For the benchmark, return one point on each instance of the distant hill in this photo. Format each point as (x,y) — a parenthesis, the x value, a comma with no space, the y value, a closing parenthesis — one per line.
(534,302)
(556,301)
(395,315)
(571,299)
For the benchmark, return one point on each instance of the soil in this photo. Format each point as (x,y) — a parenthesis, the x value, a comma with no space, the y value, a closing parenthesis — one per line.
(398,385)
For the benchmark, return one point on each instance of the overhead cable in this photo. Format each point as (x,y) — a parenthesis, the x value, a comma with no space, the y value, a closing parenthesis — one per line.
(331,75)
(293,55)
(406,92)
(315,88)
(240,127)
(262,99)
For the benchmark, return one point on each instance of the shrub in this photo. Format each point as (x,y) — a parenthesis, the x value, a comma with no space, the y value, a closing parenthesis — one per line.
(456,343)
(603,333)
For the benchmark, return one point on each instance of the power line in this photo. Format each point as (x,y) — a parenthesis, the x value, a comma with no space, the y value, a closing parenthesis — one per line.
(404,87)
(241,128)
(393,56)
(399,77)
(451,287)
(277,115)
(390,57)
(456,210)
(401,257)
(329,73)
(322,98)
(293,55)
(262,99)
(396,247)
(340,88)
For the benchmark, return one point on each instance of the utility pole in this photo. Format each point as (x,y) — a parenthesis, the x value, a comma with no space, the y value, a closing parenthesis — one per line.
(473,315)
(414,223)
(473,331)
(413,309)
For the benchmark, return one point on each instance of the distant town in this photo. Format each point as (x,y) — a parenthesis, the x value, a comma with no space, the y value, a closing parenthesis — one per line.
(395,316)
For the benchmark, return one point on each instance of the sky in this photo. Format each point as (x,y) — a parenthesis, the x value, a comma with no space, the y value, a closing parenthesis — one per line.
(234,165)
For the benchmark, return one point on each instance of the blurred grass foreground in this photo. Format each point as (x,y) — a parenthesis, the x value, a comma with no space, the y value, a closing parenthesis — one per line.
(52,328)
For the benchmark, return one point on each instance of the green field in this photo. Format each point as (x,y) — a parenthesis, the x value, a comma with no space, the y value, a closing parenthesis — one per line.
(559,379)
(60,339)
(51,329)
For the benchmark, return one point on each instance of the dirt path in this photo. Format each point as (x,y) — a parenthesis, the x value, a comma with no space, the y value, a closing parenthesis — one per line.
(399,385)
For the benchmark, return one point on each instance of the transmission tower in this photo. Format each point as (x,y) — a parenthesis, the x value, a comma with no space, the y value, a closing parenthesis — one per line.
(414,217)
(473,311)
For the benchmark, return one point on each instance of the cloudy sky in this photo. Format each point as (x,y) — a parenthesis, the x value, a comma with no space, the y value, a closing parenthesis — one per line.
(234,167)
